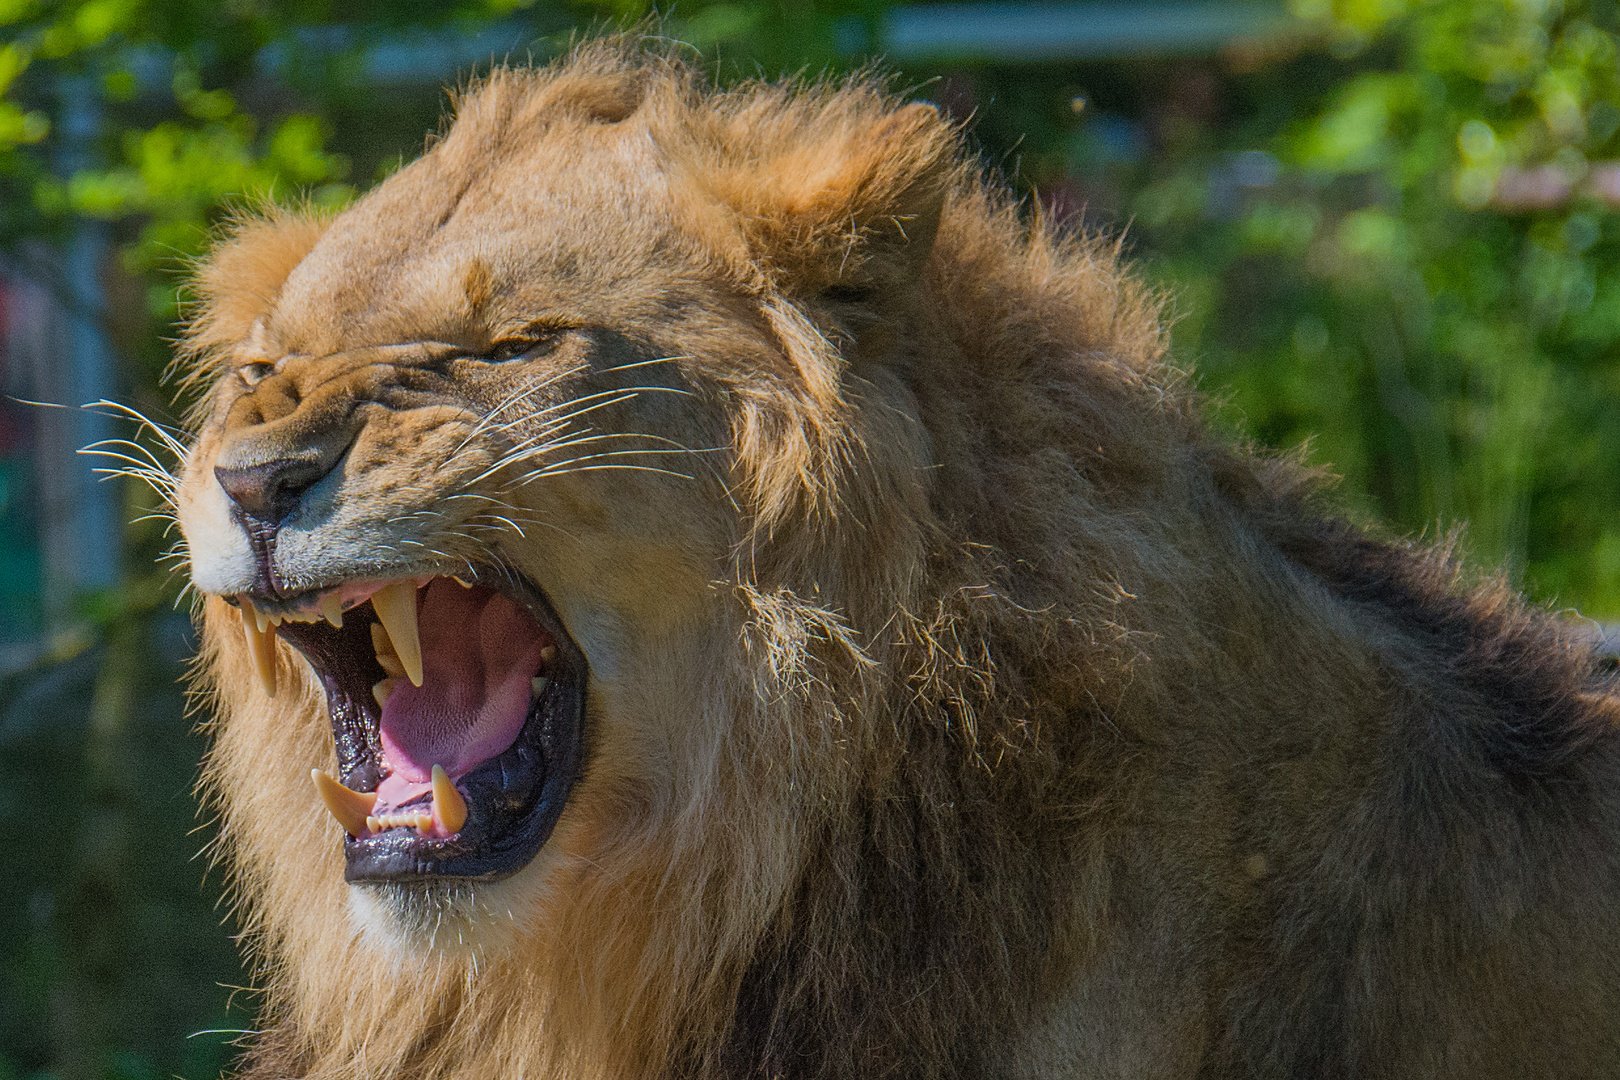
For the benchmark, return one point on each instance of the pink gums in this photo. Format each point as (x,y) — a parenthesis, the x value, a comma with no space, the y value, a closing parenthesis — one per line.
(479,653)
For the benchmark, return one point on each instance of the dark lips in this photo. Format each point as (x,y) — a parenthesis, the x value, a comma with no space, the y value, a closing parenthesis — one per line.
(513,799)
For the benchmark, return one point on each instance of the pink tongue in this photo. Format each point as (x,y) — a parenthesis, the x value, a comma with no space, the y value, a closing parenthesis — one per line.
(479,653)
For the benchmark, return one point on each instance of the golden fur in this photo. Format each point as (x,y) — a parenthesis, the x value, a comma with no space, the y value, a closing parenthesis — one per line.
(960,705)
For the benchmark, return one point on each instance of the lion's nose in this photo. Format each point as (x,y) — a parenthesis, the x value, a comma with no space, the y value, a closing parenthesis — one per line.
(271,491)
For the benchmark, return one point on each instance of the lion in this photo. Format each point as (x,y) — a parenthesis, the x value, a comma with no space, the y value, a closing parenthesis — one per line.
(871,660)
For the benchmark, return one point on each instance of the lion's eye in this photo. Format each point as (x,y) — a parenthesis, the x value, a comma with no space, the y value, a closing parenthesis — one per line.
(253,374)
(510,349)
(532,343)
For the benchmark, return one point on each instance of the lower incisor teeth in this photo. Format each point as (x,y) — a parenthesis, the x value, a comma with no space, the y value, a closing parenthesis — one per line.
(381,690)
(537,685)
(420,822)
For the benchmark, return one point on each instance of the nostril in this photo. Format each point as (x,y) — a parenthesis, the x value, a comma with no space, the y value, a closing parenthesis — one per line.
(270,492)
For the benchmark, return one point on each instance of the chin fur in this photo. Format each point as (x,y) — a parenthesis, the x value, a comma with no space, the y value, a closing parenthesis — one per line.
(472,920)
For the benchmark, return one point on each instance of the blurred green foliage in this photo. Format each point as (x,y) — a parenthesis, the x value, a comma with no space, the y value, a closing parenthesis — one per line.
(1392,233)
(1416,264)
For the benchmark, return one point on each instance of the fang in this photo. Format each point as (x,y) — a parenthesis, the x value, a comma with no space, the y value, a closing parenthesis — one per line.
(448,805)
(261,643)
(395,606)
(350,807)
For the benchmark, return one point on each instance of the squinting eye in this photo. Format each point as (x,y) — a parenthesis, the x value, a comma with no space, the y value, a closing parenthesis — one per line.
(510,349)
(532,343)
(253,374)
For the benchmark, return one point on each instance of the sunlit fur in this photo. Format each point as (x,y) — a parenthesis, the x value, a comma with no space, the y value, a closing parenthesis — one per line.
(961,705)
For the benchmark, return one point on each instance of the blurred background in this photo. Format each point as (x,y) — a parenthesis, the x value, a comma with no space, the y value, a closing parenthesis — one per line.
(1390,229)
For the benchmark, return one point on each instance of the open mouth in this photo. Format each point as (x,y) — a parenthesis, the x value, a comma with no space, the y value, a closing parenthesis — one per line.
(457,712)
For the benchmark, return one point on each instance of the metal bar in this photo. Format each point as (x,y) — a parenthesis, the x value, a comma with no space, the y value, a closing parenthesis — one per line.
(1075,31)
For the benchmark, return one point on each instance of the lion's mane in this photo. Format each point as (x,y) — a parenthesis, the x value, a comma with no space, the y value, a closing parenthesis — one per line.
(1091,723)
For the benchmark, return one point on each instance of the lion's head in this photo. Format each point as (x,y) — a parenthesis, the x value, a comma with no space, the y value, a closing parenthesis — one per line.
(658,515)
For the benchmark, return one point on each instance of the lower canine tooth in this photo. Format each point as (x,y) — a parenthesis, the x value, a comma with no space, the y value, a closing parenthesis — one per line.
(448,805)
(381,690)
(350,807)
(537,685)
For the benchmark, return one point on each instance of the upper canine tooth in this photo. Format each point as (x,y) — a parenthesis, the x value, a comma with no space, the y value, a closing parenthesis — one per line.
(261,643)
(395,606)
(332,609)
(387,658)
(350,807)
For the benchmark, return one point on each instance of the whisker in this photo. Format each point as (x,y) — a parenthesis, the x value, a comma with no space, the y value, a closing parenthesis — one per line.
(540,473)
(587,436)
(552,423)
(616,396)
(145,452)
(170,436)
(513,399)
(610,454)
(625,392)
(154,474)
(556,427)
(644,363)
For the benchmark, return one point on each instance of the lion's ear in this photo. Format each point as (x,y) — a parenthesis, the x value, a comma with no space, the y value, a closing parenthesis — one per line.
(849,197)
